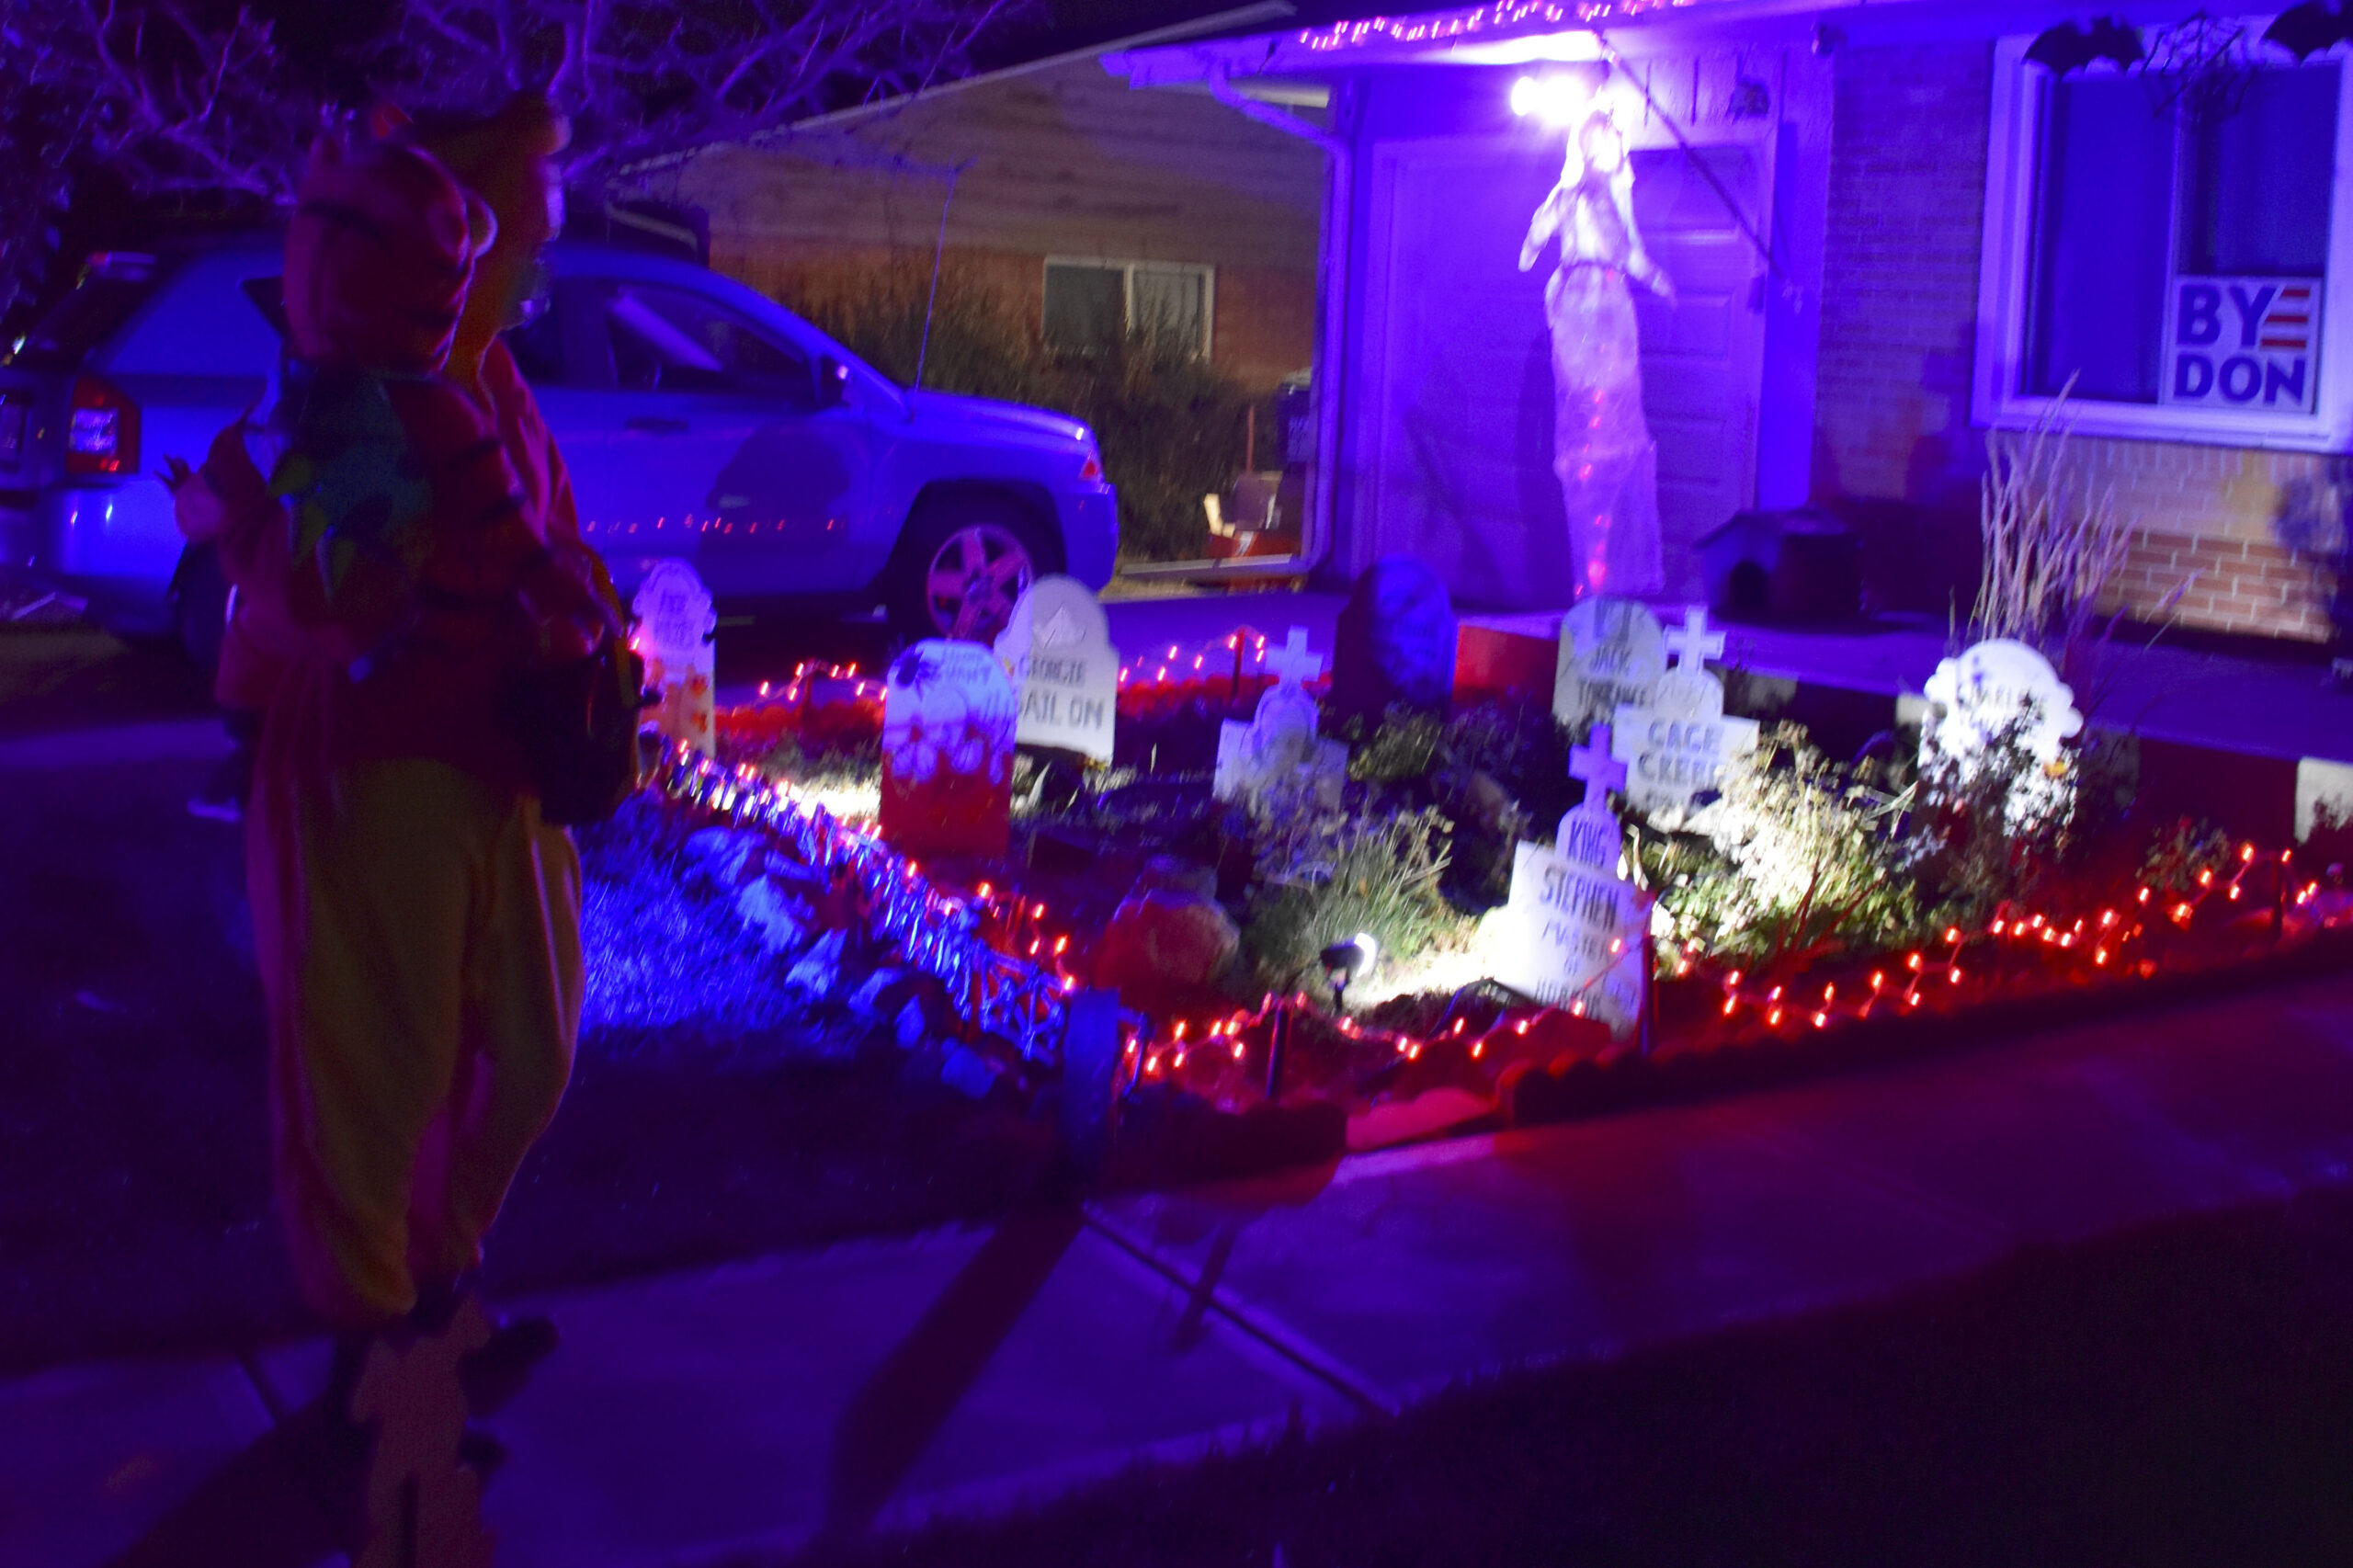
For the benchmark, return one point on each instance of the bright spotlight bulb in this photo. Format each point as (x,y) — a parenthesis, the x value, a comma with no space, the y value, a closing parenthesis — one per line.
(1370,948)
(1556,101)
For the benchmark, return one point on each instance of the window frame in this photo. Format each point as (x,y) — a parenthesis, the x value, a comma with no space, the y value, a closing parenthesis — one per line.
(1206,271)
(1997,398)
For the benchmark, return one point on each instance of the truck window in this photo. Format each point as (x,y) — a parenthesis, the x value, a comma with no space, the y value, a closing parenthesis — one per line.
(673,340)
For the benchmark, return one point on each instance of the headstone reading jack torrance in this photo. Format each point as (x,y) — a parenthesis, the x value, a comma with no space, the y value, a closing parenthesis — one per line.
(949,717)
(1612,652)
(674,609)
(1570,934)
(1675,745)
(1057,650)
(1278,748)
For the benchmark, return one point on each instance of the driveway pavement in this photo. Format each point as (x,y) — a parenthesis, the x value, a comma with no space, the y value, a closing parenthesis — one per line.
(871,1387)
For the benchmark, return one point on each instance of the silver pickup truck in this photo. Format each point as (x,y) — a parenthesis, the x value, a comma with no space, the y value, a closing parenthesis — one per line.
(700,421)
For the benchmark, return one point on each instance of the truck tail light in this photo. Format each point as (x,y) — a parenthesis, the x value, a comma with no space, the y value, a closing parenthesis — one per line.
(101,429)
(1092,468)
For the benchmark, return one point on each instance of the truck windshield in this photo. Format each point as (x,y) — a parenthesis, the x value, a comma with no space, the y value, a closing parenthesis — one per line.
(85,318)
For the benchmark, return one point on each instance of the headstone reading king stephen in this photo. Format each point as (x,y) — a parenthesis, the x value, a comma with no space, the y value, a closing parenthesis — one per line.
(1278,749)
(1675,745)
(1057,650)
(949,717)
(674,609)
(1570,934)
(1612,652)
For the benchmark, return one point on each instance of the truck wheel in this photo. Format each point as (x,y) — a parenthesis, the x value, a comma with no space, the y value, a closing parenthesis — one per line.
(960,566)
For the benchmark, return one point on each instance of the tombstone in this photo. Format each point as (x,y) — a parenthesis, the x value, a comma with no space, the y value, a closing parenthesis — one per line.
(675,611)
(1990,686)
(1292,663)
(1989,689)
(1572,931)
(1612,652)
(1394,642)
(948,719)
(1675,746)
(1279,751)
(1065,672)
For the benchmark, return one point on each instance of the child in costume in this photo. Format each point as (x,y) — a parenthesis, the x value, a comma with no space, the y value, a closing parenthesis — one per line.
(417,922)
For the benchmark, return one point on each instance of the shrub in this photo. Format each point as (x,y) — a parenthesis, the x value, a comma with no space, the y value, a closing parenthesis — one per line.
(1801,859)
(1325,875)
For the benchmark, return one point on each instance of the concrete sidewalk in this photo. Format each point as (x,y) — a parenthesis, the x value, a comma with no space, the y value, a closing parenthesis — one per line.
(873,1386)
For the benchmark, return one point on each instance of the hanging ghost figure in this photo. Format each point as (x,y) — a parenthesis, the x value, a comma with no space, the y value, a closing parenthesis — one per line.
(1602,451)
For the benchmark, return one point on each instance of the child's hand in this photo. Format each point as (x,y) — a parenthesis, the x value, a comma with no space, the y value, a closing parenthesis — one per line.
(196,506)
(174,473)
(568,618)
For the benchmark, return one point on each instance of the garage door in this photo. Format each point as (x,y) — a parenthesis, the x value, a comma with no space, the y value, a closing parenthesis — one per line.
(1455,413)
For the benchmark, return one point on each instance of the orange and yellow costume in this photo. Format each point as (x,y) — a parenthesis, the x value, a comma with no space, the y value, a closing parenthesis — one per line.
(417,922)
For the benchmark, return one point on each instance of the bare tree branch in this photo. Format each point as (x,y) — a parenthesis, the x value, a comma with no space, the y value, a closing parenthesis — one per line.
(191,97)
(643,78)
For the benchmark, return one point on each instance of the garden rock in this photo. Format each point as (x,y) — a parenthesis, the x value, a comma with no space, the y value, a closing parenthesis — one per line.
(870,999)
(910,1028)
(1171,873)
(724,853)
(1394,642)
(779,921)
(968,1072)
(1163,940)
(819,970)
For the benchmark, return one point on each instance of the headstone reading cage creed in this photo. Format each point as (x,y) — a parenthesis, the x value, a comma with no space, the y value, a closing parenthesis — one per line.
(675,611)
(1057,650)
(1675,746)
(1612,652)
(1571,933)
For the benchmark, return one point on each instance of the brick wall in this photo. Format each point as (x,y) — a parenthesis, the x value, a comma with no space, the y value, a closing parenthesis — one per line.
(2208,511)
(1894,452)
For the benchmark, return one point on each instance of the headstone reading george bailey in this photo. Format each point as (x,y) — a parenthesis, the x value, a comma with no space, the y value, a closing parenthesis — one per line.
(1278,748)
(949,717)
(1394,642)
(1612,652)
(674,609)
(1571,935)
(1057,650)
(1675,745)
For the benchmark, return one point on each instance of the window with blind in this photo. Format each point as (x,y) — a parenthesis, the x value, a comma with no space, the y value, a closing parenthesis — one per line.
(2171,272)
(1093,304)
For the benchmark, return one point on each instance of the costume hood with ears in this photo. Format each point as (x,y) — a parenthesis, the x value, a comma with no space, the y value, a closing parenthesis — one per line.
(506,159)
(379,257)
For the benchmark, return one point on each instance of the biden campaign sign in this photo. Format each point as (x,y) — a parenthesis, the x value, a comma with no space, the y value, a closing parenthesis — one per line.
(2245,343)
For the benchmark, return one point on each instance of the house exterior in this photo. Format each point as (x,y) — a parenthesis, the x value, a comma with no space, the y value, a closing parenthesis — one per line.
(1890,232)
(1086,207)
